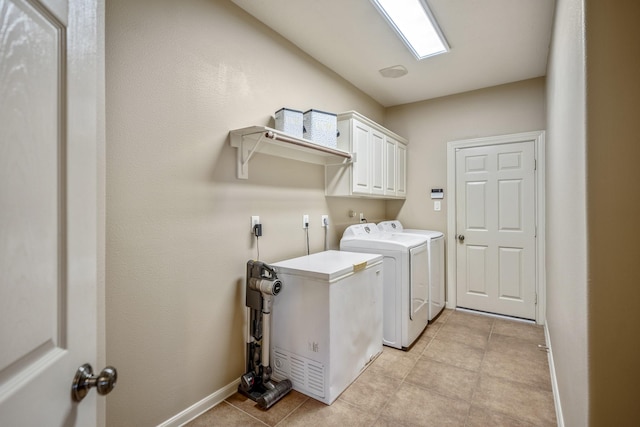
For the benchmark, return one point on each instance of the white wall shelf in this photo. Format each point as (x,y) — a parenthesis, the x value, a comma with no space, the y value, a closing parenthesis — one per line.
(261,139)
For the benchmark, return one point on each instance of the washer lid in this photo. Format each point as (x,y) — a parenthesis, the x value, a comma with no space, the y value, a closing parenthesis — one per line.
(432,234)
(395,226)
(369,236)
(328,266)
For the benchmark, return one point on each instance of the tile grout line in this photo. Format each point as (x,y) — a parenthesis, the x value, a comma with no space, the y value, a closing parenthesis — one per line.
(477,386)
(403,380)
(291,412)
(245,412)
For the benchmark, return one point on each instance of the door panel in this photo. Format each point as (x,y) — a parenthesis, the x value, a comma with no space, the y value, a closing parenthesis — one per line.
(361,146)
(31,264)
(48,193)
(510,271)
(377,162)
(510,205)
(476,215)
(495,194)
(476,259)
(401,182)
(390,166)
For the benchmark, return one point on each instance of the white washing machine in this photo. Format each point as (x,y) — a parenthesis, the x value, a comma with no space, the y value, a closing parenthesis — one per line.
(436,262)
(405,295)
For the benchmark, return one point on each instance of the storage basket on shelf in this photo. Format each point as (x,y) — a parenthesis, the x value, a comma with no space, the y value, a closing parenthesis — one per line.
(321,127)
(289,121)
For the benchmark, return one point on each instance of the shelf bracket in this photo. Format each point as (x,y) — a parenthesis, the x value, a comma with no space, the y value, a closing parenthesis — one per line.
(243,164)
(244,155)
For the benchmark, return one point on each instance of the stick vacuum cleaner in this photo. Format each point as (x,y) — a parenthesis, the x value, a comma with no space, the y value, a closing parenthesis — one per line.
(262,285)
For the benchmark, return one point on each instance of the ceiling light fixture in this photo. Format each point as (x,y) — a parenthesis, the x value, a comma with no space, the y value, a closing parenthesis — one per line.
(415,24)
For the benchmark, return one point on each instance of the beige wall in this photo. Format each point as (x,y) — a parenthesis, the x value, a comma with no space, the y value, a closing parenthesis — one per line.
(566,249)
(593,204)
(613,206)
(179,76)
(429,125)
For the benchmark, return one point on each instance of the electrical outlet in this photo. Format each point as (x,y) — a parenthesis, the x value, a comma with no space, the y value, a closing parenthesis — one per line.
(305,221)
(324,220)
(254,221)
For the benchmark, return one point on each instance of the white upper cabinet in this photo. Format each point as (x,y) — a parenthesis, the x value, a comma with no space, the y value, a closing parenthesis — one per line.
(379,160)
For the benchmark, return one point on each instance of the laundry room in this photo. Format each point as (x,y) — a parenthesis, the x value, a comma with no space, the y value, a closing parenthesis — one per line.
(180,76)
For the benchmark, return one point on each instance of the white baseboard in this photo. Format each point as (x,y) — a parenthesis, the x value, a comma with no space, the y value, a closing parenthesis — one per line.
(554,379)
(201,407)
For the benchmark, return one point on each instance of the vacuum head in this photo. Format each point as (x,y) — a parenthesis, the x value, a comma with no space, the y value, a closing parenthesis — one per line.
(264,396)
(270,397)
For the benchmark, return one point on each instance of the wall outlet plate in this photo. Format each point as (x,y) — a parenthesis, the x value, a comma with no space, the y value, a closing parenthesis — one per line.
(305,221)
(255,219)
(324,220)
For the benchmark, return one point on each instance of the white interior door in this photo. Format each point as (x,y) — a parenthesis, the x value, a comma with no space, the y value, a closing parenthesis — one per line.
(495,228)
(48,209)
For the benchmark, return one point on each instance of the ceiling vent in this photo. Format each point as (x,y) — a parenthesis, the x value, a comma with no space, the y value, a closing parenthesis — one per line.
(394,72)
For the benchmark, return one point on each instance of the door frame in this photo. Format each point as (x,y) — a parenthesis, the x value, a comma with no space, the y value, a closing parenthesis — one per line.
(539,152)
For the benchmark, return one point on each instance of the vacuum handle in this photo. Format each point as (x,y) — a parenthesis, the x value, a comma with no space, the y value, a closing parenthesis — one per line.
(266,339)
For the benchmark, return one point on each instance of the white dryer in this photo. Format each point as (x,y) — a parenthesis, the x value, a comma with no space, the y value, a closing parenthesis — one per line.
(405,295)
(436,262)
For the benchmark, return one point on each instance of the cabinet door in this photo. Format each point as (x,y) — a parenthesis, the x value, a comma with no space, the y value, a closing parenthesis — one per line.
(390,167)
(377,162)
(361,176)
(401,162)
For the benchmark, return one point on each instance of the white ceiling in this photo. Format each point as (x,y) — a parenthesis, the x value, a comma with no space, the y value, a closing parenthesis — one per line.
(492,42)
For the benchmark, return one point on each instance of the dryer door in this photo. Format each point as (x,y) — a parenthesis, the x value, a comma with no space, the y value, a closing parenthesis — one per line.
(419,283)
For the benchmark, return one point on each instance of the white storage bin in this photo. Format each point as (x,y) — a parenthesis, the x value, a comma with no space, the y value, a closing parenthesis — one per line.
(326,321)
(321,128)
(289,121)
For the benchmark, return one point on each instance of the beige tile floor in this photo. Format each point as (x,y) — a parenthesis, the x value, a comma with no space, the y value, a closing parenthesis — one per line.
(465,370)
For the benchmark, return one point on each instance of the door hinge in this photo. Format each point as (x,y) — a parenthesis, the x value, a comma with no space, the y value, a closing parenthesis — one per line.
(535,164)
(536,299)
